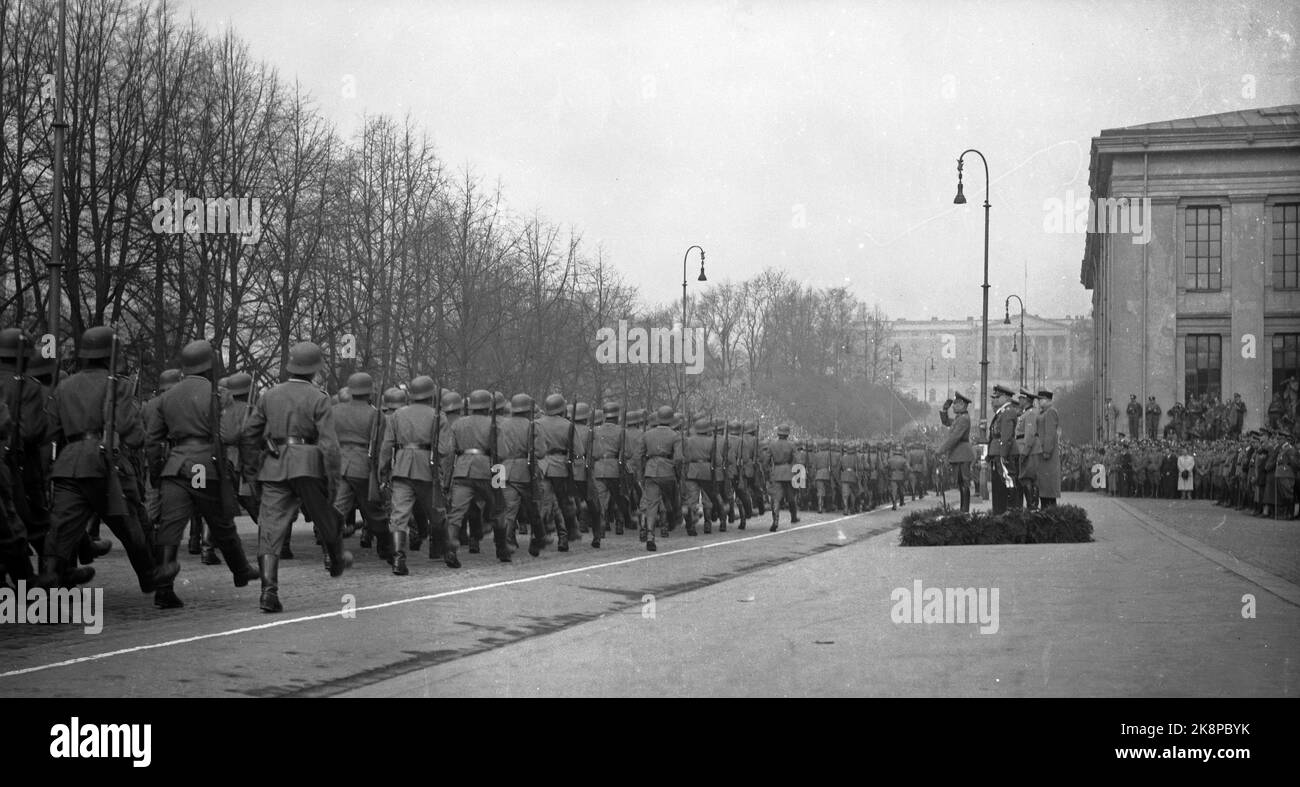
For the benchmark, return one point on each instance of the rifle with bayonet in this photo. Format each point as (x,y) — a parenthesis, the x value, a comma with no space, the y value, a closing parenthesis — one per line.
(573,433)
(375,490)
(226,493)
(116,504)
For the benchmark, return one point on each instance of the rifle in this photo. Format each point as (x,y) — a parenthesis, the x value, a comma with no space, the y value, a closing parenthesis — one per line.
(14,450)
(218,447)
(713,454)
(107,445)
(532,449)
(573,428)
(492,433)
(374,492)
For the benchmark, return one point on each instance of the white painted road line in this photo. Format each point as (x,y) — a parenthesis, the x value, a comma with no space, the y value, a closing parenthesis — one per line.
(416,599)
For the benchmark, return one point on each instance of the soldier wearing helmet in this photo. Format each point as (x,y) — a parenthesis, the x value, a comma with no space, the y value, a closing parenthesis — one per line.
(233,418)
(609,457)
(514,451)
(360,428)
(661,456)
(83,486)
(190,482)
(554,443)
(471,451)
(22,446)
(780,456)
(292,426)
(697,453)
(585,498)
(417,441)
(737,488)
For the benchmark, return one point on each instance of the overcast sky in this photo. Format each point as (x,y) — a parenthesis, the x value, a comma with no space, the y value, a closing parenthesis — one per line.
(820,137)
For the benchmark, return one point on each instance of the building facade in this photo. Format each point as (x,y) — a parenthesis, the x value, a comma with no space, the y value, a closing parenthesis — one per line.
(1209,305)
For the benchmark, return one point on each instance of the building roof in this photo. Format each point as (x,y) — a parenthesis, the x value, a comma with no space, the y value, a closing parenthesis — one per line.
(1285,116)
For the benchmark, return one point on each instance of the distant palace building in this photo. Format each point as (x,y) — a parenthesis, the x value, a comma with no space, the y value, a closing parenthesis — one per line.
(1211,304)
(1057,354)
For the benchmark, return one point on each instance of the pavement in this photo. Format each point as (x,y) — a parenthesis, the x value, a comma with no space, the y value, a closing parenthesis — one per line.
(1147,609)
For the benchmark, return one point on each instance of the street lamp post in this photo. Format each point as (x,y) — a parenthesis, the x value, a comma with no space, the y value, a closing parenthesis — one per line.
(55,264)
(1007,321)
(685,257)
(895,352)
(960,199)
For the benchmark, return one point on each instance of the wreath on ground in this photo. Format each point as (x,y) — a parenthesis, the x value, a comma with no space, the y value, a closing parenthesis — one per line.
(939,527)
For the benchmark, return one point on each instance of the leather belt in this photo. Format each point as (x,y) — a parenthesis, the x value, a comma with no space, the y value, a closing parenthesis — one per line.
(418,446)
(85,436)
(558,453)
(471,451)
(293,441)
(354,443)
(608,456)
(190,441)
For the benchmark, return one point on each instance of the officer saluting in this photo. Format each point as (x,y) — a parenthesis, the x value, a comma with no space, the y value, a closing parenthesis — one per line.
(292,426)
(956,446)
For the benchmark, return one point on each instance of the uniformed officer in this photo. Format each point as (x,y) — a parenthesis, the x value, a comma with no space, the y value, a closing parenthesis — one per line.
(453,407)
(414,439)
(190,480)
(22,448)
(740,458)
(83,486)
(516,442)
(898,473)
(1134,413)
(1153,418)
(554,436)
(360,426)
(1002,445)
(753,470)
(1026,424)
(471,445)
(780,457)
(633,470)
(609,446)
(584,494)
(1047,436)
(292,426)
(849,480)
(698,455)
(15,563)
(956,447)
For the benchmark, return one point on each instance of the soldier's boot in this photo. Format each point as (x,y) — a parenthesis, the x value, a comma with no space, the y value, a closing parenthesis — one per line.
(340,559)
(349,525)
(450,558)
(148,571)
(209,552)
(474,546)
(561,538)
(385,547)
(285,552)
(463,536)
(776,520)
(367,539)
(164,594)
(270,570)
(512,535)
(196,535)
(56,573)
(643,531)
(648,536)
(16,562)
(91,548)
(794,513)
(499,541)
(401,541)
(326,557)
(240,570)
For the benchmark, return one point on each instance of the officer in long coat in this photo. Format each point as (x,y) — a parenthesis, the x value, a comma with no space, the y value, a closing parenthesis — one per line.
(290,434)
(1047,435)
(956,447)
(1026,462)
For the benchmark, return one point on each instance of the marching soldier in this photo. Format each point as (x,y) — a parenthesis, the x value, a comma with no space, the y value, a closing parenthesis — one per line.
(294,425)
(898,471)
(698,455)
(956,448)
(23,446)
(1002,444)
(610,451)
(780,462)
(356,422)
(233,419)
(414,439)
(740,458)
(584,493)
(554,447)
(632,466)
(515,451)
(849,480)
(661,456)
(191,482)
(917,467)
(90,475)
(753,470)
(472,441)
(821,465)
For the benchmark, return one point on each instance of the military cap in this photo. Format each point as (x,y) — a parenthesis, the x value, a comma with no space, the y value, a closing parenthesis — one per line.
(196,357)
(394,397)
(783,430)
(422,389)
(96,342)
(500,402)
(959,395)
(239,384)
(702,425)
(451,402)
(1028,394)
(582,412)
(305,358)
(10,338)
(480,401)
(361,384)
(1002,390)
(1044,394)
(636,418)
(555,404)
(521,403)
(664,415)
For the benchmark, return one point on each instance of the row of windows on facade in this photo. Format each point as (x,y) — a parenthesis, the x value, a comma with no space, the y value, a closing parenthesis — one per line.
(1203,247)
(1204,363)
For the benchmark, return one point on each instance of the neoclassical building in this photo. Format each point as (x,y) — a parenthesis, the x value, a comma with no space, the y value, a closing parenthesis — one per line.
(1210,303)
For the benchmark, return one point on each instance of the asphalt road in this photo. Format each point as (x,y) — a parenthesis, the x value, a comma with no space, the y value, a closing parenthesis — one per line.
(806,611)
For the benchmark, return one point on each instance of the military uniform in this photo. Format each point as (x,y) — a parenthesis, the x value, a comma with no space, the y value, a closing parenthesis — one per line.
(24,445)
(661,456)
(515,443)
(821,468)
(585,497)
(780,461)
(358,423)
(898,472)
(1134,413)
(698,455)
(292,427)
(1153,418)
(1002,444)
(609,455)
(472,447)
(553,444)
(957,448)
(1026,461)
(752,469)
(415,438)
(736,461)
(1047,436)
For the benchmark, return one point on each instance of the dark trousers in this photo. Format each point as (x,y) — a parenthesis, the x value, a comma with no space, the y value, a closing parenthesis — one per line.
(76,501)
(999,484)
(960,473)
(661,501)
(28,496)
(281,501)
(466,492)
